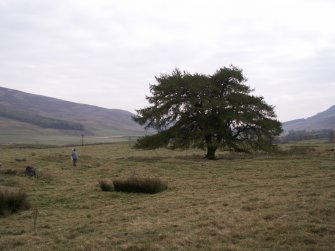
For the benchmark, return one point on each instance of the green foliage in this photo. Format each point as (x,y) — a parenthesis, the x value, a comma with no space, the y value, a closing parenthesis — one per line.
(106,186)
(12,201)
(139,185)
(207,111)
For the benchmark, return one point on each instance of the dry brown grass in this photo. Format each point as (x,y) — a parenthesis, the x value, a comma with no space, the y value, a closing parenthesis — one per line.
(12,201)
(236,203)
(135,184)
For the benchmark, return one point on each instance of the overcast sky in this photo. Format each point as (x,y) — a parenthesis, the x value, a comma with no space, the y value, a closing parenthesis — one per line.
(106,53)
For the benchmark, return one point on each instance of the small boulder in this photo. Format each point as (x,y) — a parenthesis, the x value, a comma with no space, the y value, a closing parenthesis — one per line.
(31,171)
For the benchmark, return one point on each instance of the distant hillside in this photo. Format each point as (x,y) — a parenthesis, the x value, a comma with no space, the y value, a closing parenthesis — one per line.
(25,110)
(320,121)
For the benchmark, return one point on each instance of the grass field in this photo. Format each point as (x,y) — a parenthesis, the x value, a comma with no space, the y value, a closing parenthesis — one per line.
(241,202)
(14,132)
(57,138)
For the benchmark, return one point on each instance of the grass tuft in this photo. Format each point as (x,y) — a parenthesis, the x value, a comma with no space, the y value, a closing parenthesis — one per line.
(8,171)
(139,185)
(12,202)
(106,186)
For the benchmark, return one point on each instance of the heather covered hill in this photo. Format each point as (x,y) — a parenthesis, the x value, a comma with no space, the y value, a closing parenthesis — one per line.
(30,118)
(91,117)
(320,121)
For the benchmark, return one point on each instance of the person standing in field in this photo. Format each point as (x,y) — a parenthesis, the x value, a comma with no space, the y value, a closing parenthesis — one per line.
(74,157)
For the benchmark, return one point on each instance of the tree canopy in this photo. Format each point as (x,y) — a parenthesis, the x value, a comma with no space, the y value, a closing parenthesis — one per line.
(207,111)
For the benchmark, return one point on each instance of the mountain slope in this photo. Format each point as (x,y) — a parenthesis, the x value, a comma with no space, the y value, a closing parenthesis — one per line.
(322,120)
(93,118)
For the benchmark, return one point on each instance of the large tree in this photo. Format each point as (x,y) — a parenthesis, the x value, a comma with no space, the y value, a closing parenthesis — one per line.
(207,111)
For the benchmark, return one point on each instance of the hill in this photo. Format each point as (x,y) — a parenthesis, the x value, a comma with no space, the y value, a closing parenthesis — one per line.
(320,121)
(25,113)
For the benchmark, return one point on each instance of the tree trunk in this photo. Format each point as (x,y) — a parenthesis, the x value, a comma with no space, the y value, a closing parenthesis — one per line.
(210,153)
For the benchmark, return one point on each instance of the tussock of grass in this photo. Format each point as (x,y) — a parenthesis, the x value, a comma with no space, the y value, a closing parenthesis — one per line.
(106,186)
(12,201)
(139,185)
(8,171)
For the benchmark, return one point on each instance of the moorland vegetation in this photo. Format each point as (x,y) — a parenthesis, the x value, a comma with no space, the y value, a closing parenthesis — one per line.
(260,201)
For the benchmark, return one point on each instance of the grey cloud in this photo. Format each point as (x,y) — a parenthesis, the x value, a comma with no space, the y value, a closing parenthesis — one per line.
(106,53)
